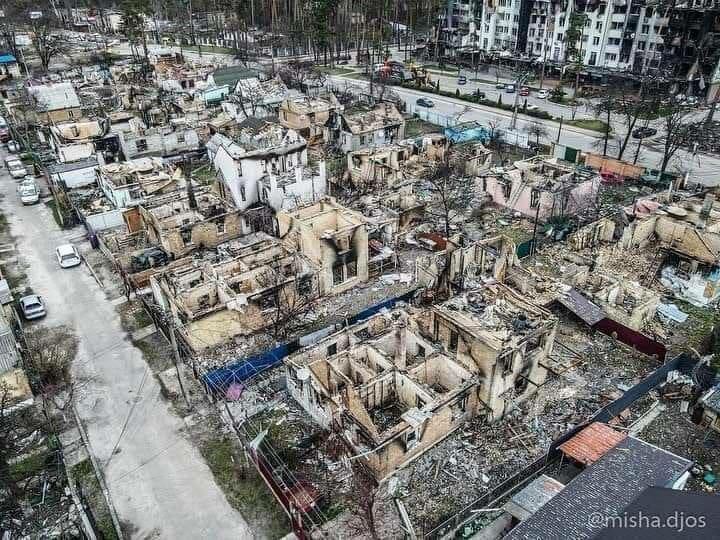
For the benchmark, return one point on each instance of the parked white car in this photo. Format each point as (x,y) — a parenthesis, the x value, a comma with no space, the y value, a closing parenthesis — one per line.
(542,94)
(13,147)
(16,168)
(28,191)
(32,307)
(67,256)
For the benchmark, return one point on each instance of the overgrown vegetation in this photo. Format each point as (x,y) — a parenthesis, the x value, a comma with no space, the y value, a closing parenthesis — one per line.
(91,493)
(244,488)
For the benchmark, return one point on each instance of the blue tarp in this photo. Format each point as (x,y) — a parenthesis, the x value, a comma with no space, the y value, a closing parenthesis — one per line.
(471,131)
(7,59)
(218,380)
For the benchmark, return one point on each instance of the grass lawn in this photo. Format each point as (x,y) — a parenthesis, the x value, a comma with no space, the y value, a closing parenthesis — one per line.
(92,493)
(588,123)
(416,127)
(335,70)
(244,488)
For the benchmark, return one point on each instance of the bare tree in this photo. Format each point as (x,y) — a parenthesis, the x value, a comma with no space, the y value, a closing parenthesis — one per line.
(288,299)
(537,130)
(46,44)
(451,193)
(677,131)
(361,499)
(301,74)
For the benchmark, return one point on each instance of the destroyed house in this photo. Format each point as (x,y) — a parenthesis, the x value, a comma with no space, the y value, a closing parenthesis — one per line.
(167,140)
(265,156)
(377,168)
(467,264)
(181,222)
(334,238)
(541,186)
(55,103)
(130,182)
(391,393)
(237,295)
(308,115)
(624,301)
(688,234)
(364,127)
(75,141)
(501,336)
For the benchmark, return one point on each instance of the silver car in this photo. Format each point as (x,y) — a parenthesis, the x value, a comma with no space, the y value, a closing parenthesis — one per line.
(32,307)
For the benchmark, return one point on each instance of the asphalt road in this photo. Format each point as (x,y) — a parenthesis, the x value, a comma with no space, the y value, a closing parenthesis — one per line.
(160,484)
(703,169)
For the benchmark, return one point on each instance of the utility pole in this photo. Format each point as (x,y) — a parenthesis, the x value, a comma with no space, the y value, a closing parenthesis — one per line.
(560,128)
(520,81)
(176,355)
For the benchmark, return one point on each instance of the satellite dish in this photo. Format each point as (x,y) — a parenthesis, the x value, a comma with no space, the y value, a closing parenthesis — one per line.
(303,374)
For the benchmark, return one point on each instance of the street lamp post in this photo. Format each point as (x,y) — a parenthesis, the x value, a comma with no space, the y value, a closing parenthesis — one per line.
(519,82)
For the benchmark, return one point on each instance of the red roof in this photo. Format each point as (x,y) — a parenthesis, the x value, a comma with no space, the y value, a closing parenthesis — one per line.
(592,443)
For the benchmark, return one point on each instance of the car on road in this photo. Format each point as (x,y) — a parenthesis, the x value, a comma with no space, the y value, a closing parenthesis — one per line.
(532,108)
(67,256)
(500,86)
(16,168)
(32,307)
(642,132)
(424,102)
(524,91)
(542,94)
(13,147)
(28,191)
(4,135)
(510,88)
(462,79)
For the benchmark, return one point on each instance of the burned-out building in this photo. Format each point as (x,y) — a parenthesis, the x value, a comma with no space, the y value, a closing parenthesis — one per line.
(55,103)
(390,392)
(396,384)
(308,115)
(334,238)
(266,163)
(687,232)
(131,182)
(253,279)
(365,127)
(541,186)
(183,221)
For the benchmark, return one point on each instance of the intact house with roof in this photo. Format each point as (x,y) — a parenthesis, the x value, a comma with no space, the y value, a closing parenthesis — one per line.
(397,383)
(615,470)
(365,127)
(266,164)
(242,293)
(541,186)
(308,115)
(55,103)
(332,237)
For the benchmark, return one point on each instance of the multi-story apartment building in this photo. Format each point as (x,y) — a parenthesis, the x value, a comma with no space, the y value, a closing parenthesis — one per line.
(616,35)
(490,25)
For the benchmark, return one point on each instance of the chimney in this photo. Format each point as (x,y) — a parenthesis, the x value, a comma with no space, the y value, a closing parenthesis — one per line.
(401,343)
(706,209)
